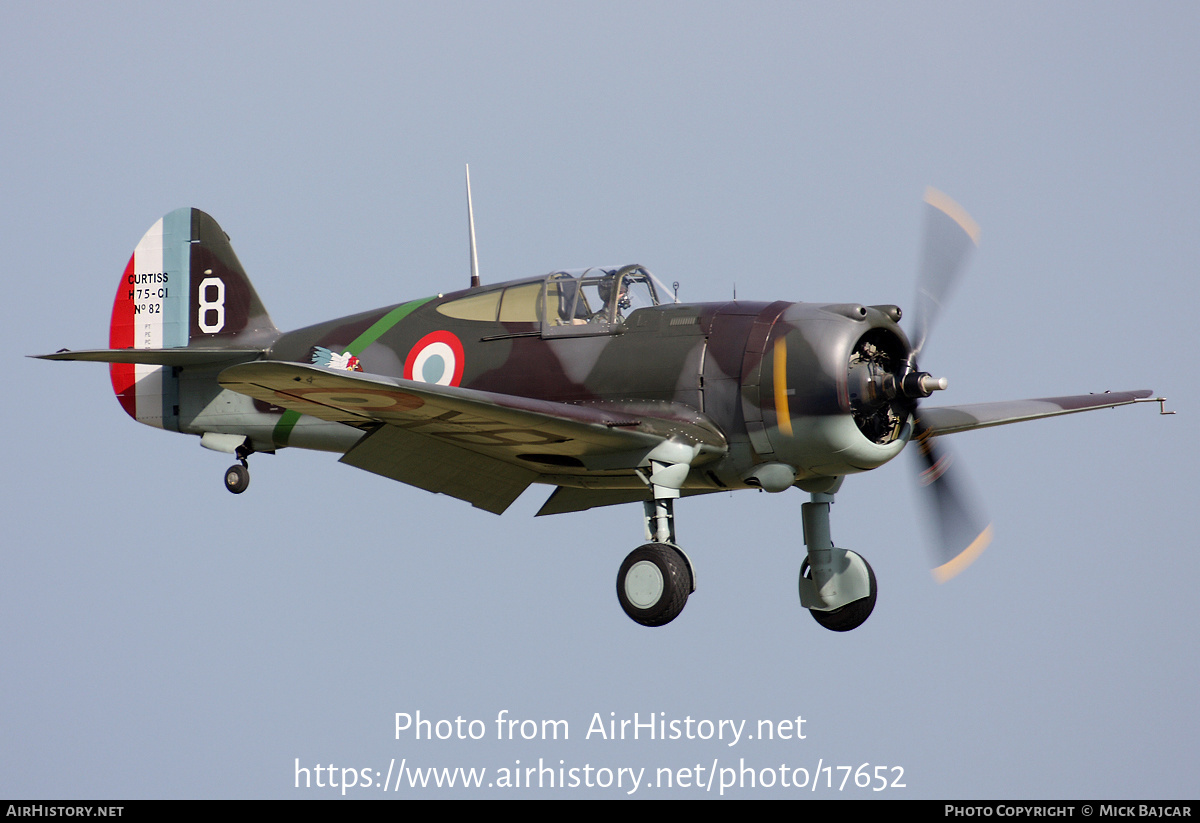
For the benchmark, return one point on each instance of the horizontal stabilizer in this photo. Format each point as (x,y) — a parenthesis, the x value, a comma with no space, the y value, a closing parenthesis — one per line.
(159,357)
(950,419)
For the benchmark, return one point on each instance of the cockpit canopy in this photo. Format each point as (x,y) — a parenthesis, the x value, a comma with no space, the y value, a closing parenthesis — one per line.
(597,296)
(573,302)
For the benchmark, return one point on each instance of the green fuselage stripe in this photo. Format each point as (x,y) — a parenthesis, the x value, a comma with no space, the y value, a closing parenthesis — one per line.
(289,419)
(283,429)
(383,324)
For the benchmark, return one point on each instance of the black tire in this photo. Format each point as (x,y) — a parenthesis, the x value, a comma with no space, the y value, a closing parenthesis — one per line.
(237,478)
(850,616)
(653,584)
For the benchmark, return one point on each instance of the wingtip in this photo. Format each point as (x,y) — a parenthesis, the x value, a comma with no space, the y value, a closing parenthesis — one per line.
(966,557)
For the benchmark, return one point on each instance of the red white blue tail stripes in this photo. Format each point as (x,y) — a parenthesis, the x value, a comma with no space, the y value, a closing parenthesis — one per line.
(183,287)
(151,311)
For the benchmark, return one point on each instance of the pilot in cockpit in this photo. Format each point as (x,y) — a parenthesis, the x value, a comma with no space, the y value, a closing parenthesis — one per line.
(600,296)
(620,298)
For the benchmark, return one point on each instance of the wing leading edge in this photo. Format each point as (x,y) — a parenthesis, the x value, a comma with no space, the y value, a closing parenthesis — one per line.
(951,419)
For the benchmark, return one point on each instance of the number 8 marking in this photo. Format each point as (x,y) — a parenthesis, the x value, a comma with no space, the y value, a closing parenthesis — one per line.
(217,305)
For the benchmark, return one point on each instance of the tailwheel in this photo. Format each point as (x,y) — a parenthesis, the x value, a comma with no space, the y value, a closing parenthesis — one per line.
(237,478)
(853,614)
(654,583)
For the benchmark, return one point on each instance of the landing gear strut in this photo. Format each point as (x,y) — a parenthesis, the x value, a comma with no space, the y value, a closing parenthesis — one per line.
(836,586)
(656,578)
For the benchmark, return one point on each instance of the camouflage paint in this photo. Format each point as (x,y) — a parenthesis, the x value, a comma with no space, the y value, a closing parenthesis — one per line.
(745,385)
(578,381)
(288,420)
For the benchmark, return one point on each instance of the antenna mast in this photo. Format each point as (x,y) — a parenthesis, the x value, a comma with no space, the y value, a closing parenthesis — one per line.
(471,232)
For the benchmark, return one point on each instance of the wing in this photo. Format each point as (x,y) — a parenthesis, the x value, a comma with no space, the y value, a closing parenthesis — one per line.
(482,447)
(950,419)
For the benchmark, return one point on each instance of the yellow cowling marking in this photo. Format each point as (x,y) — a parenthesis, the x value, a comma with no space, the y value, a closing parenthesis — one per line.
(965,558)
(782,414)
(954,211)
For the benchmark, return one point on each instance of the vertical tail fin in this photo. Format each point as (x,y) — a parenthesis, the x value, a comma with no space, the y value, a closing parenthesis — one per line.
(183,286)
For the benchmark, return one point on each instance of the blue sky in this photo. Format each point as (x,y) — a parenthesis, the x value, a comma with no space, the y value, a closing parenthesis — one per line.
(163,638)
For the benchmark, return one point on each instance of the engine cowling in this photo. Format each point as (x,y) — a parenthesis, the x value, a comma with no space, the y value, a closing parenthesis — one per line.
(836,389)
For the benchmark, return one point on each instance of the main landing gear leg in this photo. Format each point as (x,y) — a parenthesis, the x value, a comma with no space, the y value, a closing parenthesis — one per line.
(836,586)
(655,580)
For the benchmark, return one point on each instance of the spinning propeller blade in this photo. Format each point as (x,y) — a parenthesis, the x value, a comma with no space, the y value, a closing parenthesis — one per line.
(950,234)
(963,532)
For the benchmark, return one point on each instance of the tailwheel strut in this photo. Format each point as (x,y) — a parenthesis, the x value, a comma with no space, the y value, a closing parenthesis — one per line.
(237,476)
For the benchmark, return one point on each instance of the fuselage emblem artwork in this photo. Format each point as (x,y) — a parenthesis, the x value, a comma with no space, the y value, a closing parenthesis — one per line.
(330,359)
(436,358)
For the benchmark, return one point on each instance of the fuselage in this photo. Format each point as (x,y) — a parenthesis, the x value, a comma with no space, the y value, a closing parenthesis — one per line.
(771,378)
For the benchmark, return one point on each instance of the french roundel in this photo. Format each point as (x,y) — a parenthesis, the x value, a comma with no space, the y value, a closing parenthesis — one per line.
(436,358)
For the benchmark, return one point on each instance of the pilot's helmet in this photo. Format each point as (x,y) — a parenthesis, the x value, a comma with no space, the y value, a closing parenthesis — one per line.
(606,289)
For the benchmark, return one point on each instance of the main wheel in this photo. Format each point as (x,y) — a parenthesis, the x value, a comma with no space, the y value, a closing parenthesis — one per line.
(653,584)
(237,478)
(850,616)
